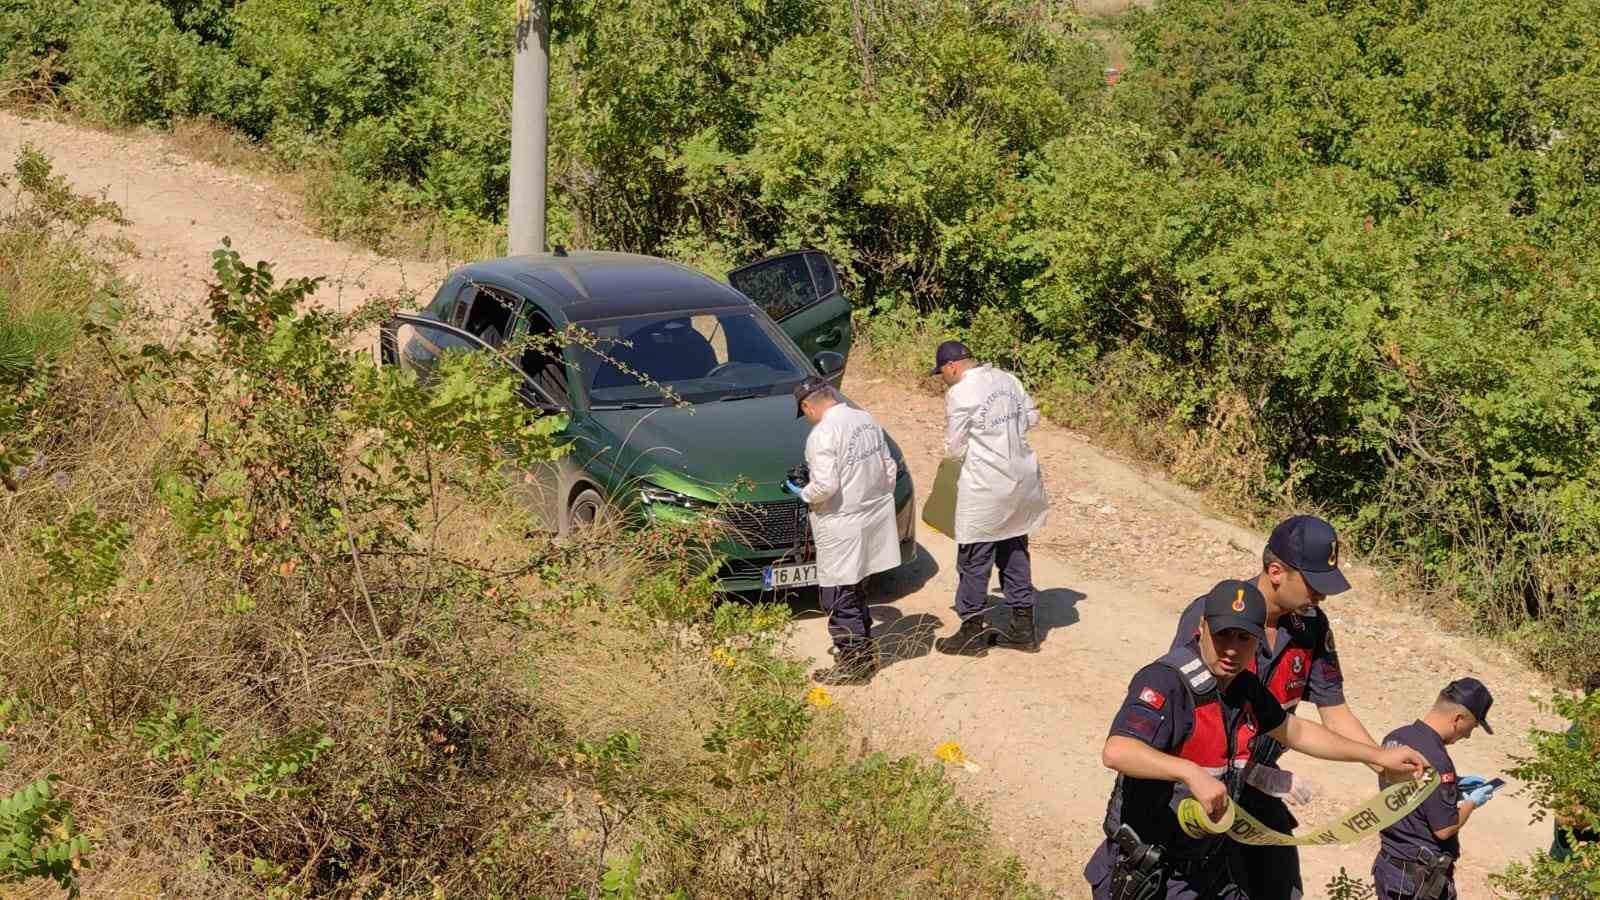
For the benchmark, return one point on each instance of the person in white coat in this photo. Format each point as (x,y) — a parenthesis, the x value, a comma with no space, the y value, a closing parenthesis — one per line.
(851,495)
(1000,497)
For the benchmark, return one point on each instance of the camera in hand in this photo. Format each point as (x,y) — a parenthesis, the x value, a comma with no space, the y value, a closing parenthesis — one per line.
(800,475)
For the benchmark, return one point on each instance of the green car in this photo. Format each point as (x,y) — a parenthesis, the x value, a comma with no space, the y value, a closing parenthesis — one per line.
(731,355)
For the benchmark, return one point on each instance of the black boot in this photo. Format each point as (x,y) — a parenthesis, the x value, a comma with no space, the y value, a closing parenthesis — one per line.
(971,639)
(855,664)
(1019,633)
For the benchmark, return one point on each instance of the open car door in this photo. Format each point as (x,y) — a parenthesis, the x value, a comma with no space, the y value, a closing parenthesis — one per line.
(416,343)
(800,291)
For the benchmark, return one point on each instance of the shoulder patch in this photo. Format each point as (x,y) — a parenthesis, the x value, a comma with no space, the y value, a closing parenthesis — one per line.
(1140,721)
(1327,640)
(1152,698)
(1447,778)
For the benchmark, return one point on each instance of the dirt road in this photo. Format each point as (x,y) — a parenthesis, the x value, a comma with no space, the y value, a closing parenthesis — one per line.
(1123,553)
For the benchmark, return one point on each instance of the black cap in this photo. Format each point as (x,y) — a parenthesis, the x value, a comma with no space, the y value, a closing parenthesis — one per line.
(810,385)
(949,352)
(1237,604)
(1310,545)
(1471,693)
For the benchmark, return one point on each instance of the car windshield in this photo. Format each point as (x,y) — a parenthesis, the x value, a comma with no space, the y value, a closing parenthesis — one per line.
(702,356)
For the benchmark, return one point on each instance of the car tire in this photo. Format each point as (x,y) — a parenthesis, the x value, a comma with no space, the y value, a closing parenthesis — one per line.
(586,510)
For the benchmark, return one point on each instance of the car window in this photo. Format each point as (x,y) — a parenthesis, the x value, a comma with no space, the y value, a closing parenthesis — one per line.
(489,317)
(421,344)
(822,274)
(701,356)
(458,308)
(780,286)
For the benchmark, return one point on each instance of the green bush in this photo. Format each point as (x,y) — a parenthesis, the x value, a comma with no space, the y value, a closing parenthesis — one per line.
(1565,783)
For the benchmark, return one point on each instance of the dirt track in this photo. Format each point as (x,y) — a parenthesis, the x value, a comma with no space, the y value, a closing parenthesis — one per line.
(1124,551)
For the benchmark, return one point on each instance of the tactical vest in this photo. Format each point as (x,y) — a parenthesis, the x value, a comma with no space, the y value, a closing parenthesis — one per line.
(1212,742)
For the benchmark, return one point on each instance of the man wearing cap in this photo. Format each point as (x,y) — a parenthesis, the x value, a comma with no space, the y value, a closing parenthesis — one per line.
(1417,855)
(851,496)
(1296,661)
(999,497)
(1186,728)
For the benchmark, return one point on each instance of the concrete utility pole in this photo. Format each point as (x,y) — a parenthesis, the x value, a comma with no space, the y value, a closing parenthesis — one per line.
(530,92)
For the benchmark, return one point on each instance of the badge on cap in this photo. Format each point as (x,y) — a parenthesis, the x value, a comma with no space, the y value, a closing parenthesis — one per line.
(1333,553)
(1238,600)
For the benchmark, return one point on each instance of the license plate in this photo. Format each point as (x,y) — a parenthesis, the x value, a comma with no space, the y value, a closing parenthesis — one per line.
(789,576)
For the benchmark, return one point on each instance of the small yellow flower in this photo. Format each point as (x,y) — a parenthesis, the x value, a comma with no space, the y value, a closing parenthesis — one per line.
(950,752)
(820,698)
(723,658)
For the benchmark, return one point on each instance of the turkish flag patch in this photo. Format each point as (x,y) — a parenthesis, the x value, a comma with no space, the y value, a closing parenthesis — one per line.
(1448,778)
(1152,698)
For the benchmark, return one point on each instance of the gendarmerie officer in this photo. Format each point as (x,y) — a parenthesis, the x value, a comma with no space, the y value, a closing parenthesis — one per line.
(1417,855)
(1187,728)
(1297,661)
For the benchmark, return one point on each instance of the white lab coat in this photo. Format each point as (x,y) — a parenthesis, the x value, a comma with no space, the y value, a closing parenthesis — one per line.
(851,495)
(1000,493)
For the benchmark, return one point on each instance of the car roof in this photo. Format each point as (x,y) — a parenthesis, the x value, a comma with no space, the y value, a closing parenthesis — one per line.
(587,285)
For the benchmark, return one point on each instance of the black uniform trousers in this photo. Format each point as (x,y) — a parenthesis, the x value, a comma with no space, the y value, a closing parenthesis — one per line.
(849,619)
(975,561)
(1398,879)
(1270,873)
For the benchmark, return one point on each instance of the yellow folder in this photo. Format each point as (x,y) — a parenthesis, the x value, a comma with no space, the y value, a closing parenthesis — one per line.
(939,512)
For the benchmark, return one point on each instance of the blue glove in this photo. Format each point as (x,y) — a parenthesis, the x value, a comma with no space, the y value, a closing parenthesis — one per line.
(792,488)
(1481,794)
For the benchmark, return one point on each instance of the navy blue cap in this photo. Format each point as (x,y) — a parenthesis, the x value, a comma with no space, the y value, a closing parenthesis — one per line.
(808,386)
(1311,546)
(1471,693)
(1236,604)
(949,352)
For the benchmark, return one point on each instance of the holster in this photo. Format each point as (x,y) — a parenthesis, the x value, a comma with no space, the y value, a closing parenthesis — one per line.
(1137,874)
(1435,876)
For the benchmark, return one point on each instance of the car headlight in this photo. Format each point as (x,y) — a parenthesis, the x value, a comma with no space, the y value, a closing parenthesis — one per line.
(652,495)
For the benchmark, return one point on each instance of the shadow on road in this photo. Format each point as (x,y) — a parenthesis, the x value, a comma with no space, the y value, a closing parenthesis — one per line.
(1052,608)
(901,637)
(904,581)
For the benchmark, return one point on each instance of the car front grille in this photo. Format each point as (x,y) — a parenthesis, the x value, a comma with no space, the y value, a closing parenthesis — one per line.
(742,569)
(768,526)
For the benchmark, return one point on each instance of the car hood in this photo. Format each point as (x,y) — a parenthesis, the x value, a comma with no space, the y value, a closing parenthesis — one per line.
(715,444)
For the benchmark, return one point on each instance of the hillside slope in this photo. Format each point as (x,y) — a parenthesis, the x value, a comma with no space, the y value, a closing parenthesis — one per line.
(1124,551)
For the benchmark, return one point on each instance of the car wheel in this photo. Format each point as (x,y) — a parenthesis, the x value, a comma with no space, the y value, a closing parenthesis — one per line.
(586,510)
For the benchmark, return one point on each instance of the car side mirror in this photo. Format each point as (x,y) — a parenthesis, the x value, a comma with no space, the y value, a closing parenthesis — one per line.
(828,363)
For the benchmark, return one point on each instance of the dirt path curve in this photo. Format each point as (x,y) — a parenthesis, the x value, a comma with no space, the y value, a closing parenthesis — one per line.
(1123,553)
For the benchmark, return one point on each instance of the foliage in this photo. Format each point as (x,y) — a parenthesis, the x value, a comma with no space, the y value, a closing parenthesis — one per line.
(1565,783)
(38,837)
(1345,887)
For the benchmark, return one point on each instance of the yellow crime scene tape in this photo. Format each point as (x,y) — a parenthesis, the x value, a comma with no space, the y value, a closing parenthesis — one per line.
(1389,806)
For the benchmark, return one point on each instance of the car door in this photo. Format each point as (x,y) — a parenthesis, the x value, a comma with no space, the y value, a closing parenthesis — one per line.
(800,291)
(417,342)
